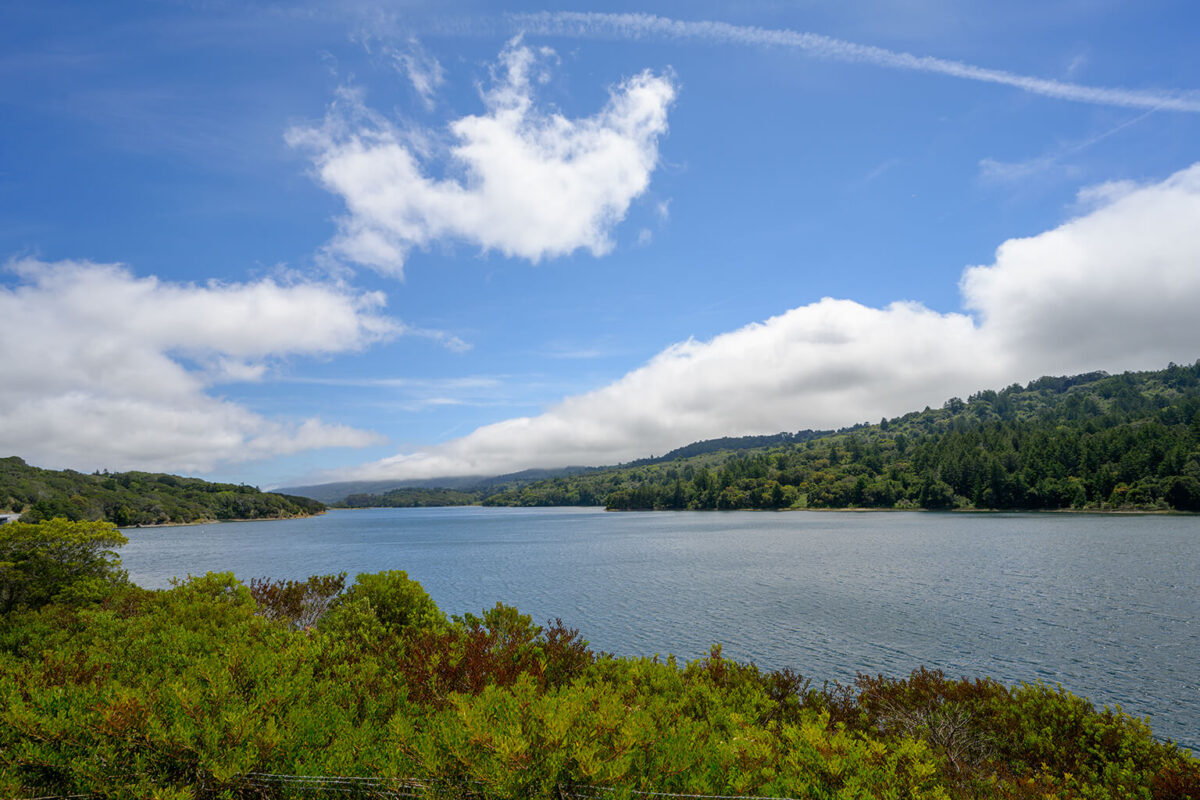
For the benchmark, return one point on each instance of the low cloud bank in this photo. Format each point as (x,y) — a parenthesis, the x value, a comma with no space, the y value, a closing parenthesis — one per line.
(100,367)
(1116,288)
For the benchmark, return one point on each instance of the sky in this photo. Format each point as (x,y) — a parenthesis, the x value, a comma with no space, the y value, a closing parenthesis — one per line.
(294,242)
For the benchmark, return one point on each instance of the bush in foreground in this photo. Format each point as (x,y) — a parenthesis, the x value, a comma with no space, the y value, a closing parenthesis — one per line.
(200,690)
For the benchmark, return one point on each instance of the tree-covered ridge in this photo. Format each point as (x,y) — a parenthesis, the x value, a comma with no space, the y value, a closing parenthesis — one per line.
(214,689)
(412,497)
(137,498)
(729,443)
(337,492)
(1093,441)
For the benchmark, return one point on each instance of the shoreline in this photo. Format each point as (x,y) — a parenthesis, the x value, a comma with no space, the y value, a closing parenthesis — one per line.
(1134,512)
(867,510)
(215,521)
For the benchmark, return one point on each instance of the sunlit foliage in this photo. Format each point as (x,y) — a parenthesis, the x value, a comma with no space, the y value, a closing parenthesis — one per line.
(136,498)
(192,691)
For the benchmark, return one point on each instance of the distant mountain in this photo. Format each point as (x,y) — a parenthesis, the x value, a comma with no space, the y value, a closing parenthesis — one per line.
(137,498)
(392,493)
(412,497)
(332,493)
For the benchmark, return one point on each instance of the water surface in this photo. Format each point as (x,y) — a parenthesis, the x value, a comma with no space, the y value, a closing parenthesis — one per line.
(1108,606)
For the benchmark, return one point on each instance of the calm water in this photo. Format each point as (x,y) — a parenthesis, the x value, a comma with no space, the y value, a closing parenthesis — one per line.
(1107,606)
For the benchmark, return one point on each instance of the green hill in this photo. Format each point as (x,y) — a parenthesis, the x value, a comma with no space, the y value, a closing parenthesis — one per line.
(476,486)
(1087,442)
(412,497)
(137,498)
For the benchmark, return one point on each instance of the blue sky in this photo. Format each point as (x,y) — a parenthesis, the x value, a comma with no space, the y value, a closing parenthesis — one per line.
(287,242)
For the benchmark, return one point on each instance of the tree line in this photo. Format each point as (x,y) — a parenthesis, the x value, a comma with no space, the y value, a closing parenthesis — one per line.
(137,498)
(1086,442)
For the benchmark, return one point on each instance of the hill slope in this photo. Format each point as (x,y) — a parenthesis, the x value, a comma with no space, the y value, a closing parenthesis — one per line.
(478,486)
(137,498)
(1091,441)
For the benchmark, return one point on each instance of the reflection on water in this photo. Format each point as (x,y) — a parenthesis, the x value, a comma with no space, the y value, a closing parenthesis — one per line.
(1108,606)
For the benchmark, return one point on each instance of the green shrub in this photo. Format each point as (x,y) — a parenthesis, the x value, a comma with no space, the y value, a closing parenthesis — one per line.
(400,604)
(57,559)
(191,691)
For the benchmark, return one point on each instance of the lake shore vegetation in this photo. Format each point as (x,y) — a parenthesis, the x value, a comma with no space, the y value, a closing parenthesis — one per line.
(217,689)
(129,499)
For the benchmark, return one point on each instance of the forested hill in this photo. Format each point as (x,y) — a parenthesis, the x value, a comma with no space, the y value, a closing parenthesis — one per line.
(473,486)
(137,498)
(1093,441)
(728,443)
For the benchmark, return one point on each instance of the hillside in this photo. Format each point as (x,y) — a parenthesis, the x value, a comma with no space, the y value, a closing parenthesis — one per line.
(137,498)
(413,497)
(1092,441)
(478,486)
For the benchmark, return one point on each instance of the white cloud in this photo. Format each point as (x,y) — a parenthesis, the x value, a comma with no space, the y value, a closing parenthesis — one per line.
(101,368)
(417,394)
(1101,194)
(644,26)
(878,171)
(1118,287)
(993,171)
(423,71)
(1078,63)
(530,183)
(1115,289)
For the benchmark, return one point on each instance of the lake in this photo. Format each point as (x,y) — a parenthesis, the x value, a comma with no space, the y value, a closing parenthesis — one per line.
(1106,605)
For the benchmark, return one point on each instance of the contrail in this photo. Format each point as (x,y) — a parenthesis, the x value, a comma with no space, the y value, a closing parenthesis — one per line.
(648,26)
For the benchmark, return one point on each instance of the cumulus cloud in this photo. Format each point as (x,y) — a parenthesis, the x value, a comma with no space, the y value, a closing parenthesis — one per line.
(102,368)
(521,180)
(1116,288)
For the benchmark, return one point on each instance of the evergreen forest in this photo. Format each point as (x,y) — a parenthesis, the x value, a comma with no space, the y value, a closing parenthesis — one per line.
(411,497)
(1087,442)
(137,498)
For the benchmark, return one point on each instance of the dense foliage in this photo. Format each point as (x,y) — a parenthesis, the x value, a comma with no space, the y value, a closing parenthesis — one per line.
(1092,441)
(214,689)
(729,443)
(137,498)
(55,560)
(412,497)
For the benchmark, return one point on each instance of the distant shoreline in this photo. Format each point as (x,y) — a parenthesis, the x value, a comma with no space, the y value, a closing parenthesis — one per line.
(214,521)
(855,509)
